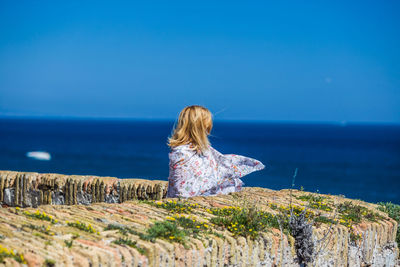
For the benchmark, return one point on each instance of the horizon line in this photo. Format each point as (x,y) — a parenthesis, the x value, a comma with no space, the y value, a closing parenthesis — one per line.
(126,118)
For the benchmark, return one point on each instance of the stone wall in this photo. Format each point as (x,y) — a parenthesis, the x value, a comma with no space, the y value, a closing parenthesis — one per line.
(45,236)
(30,189)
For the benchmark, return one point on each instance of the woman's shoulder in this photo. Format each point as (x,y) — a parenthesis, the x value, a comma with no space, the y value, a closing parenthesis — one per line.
(184,147)
(181,153)
(181,150)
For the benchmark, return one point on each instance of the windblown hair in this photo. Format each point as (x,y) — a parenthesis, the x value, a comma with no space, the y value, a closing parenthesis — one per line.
(194,126)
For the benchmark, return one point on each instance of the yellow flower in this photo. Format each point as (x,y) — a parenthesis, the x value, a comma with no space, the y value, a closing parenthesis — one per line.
(197,226)
(250,229)
(17,208)
(171,237)
(205,225)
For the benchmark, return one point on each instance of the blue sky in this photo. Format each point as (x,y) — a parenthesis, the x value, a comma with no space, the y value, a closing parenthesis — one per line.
(274,61)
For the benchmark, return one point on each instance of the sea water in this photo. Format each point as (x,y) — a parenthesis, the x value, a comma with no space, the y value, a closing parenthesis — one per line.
(356,160)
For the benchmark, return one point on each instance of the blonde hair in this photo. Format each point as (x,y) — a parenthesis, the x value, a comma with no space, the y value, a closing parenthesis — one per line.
(194,126)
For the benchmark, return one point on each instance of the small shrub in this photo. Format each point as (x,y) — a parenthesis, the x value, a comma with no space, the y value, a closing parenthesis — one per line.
(68,243)
(296,210)
(174,229)
(350,213)
(49,263)
(40,216)
(168,230)
(125,230)
(191,225)
(174,206)
(324,219)
(247,221)
(82,226)
(354,237)
(316,202)
(9,253)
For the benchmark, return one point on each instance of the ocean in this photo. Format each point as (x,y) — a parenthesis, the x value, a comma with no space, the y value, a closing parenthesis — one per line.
(359,161)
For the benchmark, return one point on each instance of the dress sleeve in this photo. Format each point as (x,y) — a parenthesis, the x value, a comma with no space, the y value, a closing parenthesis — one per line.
(233,166)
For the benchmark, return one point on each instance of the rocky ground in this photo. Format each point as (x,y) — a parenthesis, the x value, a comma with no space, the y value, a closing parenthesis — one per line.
(58,220)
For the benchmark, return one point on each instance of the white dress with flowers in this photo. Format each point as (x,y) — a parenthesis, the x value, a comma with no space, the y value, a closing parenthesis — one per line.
(210,173)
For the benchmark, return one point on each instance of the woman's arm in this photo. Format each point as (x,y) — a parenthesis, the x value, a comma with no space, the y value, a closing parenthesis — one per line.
(235,166)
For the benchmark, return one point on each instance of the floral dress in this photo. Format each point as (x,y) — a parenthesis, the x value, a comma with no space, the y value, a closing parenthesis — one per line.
(209,173)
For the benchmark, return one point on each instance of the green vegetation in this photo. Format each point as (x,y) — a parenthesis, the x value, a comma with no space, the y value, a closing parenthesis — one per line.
(350,213)
(316,201)
(49,263)
(130,243)
(41,216)
(247,221)
(324,219)
(175,228)
(9,253)
(174,206)
(217,234)
(124,230)
(296,210)
(68,243)
(82,226)
(354,237)
(42,229)
(393,211)
(168,230)
(178,228)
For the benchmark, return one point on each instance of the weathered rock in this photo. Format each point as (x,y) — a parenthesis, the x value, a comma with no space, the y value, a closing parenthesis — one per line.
(9,196)
(39,240)
(31,189)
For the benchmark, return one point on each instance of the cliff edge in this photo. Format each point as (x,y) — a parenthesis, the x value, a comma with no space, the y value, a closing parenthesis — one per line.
(62,220)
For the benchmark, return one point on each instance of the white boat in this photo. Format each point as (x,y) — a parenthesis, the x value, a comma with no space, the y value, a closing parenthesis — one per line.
(39,155)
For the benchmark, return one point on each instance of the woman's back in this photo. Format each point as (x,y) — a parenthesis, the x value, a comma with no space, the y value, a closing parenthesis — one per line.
(195,168)
(208,173)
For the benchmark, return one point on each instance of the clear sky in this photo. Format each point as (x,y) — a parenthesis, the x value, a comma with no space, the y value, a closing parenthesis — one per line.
(267,60)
